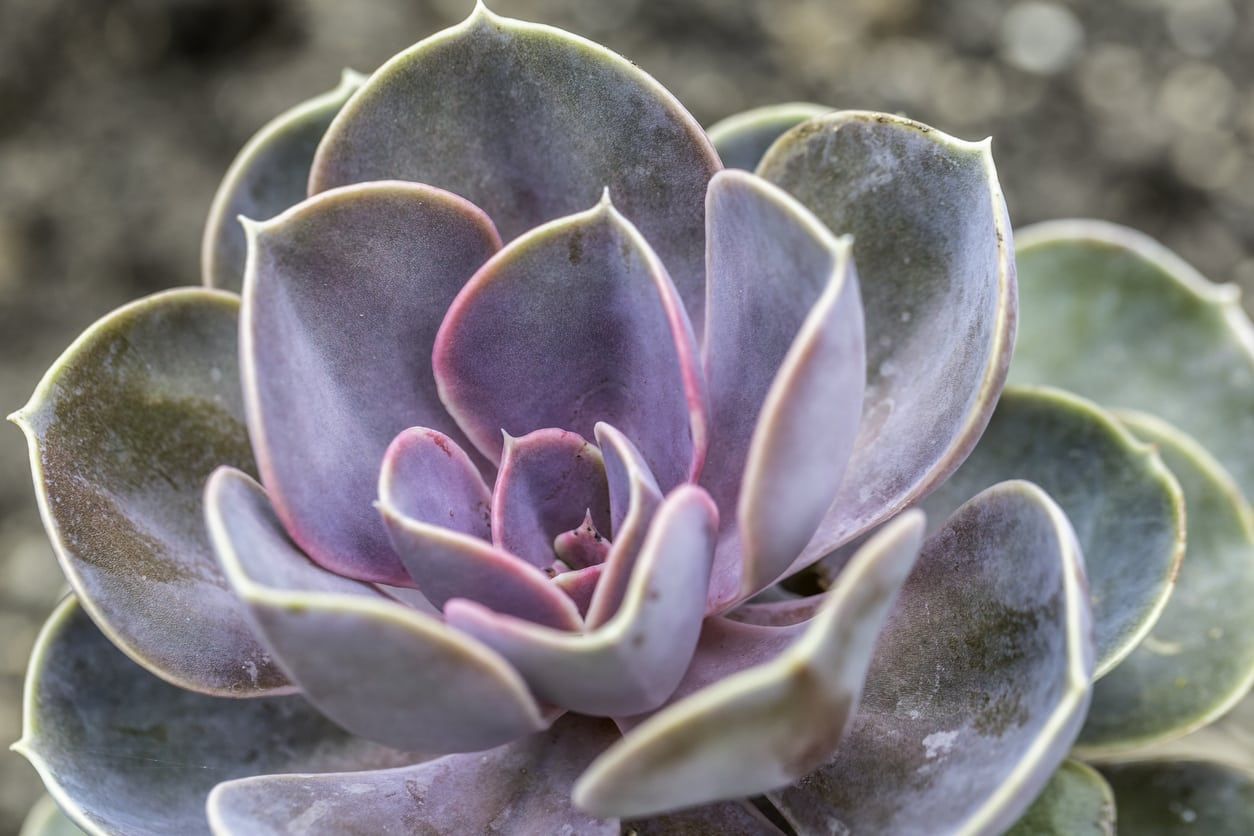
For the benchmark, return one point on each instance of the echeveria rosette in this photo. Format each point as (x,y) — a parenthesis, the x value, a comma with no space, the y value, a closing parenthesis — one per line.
(532,398)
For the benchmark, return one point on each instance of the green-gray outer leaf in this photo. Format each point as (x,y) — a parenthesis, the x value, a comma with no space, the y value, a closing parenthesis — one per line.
(1125,506)
(1077,801)
(1183,798)
(46,819)
(123,752)
(1112,315)
(742,138)
(123,431)
(270,174)
(937,275)
(1198,660)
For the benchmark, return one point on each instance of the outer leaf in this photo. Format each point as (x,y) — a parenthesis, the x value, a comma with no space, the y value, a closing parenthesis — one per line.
(1166,798)
(124,752)
(786,363)
(549,480)
(123,430)
(1124,504)
(743,138)
(1144,331)
(268,175)
(979,682)
(380,669)
(46,819)
(574,323)
(342,301)
(787,715)
(1077,801)
(1229,739)
(531,123)
(936,270)
(523,787)
(1198,660)
(633,662)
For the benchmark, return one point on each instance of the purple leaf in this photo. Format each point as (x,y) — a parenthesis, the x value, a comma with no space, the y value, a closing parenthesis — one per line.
(436,508)
(582,547)
(122,751)
(789,713)
(740,818)
(580,585)
(522,787)
(978,686)
(549,480)
(531,123)
(936,271)
(123,431)
(342,301)
(378,668)
(268,175)
(786,364)
(634,499)
(575,323)
(633,662)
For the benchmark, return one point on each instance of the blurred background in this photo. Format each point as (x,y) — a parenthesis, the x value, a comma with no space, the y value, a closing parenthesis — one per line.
(118,117)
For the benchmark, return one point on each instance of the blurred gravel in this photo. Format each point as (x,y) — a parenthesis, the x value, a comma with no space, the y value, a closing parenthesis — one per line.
(117,118)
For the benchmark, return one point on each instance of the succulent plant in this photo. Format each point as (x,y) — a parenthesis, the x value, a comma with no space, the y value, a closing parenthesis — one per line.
(523,469)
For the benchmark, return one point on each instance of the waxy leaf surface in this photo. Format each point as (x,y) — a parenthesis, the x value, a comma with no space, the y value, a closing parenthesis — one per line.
(1124,504)
(522,787)
(270,174)
(979,682)
(575,323)
(785,361)
(342,300)
(1144,331)
(1077,801)
(936,272)
(123,431)
(531,123)
(124,752)
(633,662)
(769,725)
(377,667)
(1183,798)
(1198,659)
(743,138)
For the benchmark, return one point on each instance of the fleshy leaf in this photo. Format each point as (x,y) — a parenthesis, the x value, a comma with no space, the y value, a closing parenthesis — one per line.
(582,547)
(1198,660)
(531,123)
(270,173)
(580,585)
(1183,798)
(937,276)
(436,508)
(378,668)
(634,499)
(1077,801)
(1122,501)
(1229,739)
(522,787)
(122,751)
(785,362)
(790,713)
(46,819)
(740,818)
(743,138)
(633,662)
(343,296)
(123,431)
(978,685)
(575,323)
(549,479)
(1144,331)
